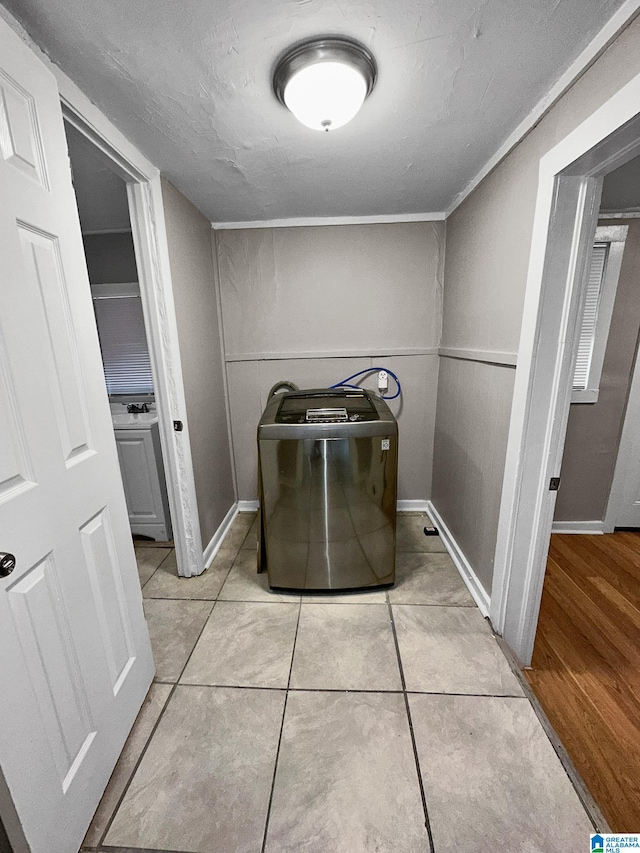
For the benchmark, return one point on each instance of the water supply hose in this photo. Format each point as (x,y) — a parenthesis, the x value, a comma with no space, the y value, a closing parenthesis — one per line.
(345,382)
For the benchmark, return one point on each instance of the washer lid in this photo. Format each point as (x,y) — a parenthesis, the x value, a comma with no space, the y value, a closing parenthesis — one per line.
(326,406)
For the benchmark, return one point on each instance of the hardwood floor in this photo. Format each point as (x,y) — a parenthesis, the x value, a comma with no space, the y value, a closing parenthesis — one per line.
(586,664)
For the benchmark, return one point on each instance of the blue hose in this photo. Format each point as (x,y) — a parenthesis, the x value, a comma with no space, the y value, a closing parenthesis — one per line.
(345,383)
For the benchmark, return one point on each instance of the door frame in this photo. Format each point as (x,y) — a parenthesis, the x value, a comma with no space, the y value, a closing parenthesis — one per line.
(569,186)
(144,192)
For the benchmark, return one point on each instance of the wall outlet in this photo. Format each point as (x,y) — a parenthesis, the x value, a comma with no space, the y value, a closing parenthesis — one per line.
(383,381)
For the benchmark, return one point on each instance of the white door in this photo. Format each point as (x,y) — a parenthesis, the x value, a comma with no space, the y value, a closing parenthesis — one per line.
(623,509)
(75,660)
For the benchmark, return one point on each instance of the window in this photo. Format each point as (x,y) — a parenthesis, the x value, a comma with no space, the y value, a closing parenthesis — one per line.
(604,270)
(123,339)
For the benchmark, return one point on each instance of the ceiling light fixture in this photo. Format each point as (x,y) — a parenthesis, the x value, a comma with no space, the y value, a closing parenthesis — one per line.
(325,81)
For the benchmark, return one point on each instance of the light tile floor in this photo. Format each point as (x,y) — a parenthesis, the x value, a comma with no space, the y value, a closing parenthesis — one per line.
(382,721)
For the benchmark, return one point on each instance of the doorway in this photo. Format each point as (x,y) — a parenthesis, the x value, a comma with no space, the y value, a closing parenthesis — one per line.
(569,188)
(103,209)
(145,208)
(595,437)
(586,657)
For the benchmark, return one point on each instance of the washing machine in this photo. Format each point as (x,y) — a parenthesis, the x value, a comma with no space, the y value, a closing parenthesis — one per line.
(328,463)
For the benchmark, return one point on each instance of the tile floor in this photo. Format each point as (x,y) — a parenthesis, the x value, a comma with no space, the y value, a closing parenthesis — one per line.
(381,721)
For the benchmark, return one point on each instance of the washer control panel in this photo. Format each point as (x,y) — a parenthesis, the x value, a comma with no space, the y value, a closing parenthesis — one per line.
(326,416)
(332,406)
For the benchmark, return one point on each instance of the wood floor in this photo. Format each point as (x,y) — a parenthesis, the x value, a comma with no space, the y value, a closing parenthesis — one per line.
(586,665)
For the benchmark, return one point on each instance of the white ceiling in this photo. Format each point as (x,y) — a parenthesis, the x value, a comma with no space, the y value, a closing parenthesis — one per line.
(190,84)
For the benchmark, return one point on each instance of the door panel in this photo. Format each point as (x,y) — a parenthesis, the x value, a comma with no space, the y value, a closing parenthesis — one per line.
(16,470)
(20,140)
(76,659)
(45,275)
(41,622)
(108,596)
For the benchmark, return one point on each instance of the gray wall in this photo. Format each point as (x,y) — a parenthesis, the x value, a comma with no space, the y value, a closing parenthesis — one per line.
(621,189)
(5,846)
(315,304)
(488,246)
(110,258)
(593,431)
(189,240)
(474,402)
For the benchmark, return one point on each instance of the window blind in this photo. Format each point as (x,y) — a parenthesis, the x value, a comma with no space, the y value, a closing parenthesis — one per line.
(123,341)
(590,316)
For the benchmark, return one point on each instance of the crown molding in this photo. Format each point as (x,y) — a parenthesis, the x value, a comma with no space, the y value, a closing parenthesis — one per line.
(302,221)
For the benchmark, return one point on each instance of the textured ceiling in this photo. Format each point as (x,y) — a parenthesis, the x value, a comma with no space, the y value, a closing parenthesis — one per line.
(190,84)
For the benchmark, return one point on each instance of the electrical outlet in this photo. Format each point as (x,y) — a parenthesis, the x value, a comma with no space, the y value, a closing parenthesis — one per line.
(383,381)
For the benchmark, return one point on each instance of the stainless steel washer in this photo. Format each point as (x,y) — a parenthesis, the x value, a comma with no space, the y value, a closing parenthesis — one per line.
(328,462)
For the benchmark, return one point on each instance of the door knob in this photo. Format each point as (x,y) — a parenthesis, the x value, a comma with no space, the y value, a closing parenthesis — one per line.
(7,564)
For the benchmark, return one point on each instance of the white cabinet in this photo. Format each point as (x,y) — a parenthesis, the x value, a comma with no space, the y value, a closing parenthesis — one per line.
(143,477)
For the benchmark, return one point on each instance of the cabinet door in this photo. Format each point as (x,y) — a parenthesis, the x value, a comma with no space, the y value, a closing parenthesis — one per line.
(140,477)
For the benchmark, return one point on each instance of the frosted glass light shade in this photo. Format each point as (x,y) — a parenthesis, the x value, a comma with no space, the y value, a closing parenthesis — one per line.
(325,81)
(326,95)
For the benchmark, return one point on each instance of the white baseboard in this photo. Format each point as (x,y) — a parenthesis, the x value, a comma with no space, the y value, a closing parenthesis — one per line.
(480,596)
(216,540)
(402,506)
(462,564)
(412,506)
(577,527)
